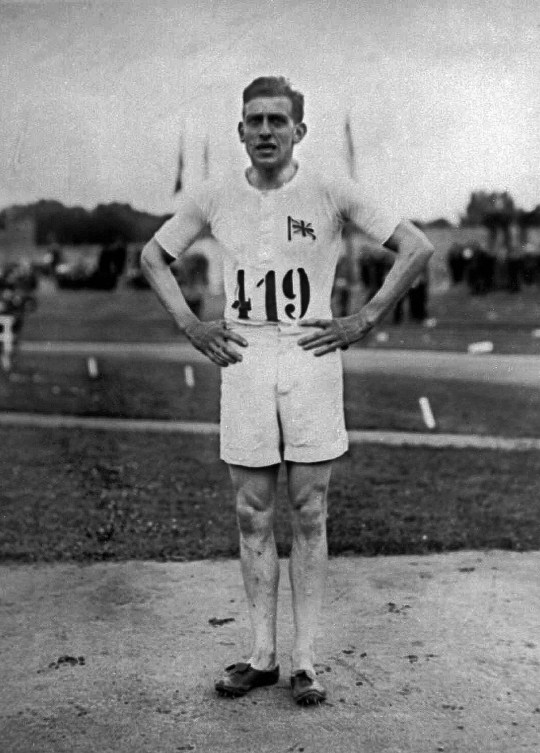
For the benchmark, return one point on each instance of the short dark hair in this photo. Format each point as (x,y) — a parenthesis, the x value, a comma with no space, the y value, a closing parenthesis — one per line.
(276,86)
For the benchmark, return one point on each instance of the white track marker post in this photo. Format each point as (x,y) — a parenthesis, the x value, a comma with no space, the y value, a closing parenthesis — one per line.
(477,349)
(7,339)
(92,367)
(427,413)
(189,376)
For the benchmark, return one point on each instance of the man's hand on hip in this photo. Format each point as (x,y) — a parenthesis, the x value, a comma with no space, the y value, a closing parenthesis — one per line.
(335,334)
(211,338)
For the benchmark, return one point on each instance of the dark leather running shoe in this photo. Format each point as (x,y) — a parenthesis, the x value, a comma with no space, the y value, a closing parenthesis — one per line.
(240,678)
(306,689)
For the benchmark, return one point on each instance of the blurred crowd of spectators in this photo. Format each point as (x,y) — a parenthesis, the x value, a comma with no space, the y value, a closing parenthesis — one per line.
(482,270)
(372,266)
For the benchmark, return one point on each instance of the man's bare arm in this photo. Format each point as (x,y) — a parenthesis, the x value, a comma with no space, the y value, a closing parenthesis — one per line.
(413,251)
(210,338)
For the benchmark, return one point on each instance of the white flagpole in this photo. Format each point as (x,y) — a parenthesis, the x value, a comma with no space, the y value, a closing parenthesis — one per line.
(354,301)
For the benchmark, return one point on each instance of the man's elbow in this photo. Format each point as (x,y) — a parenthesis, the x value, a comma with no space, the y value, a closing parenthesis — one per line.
(151,257)
(417,251)
(409,240)
(419,245)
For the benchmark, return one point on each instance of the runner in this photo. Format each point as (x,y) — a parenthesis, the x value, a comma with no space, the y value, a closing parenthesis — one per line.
(279,225)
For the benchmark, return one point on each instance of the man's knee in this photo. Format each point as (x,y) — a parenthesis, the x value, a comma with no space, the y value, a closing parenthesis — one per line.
(254,511)
(309,508)
(254,491)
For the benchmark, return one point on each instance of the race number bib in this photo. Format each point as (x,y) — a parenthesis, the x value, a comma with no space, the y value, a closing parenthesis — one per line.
(294,286)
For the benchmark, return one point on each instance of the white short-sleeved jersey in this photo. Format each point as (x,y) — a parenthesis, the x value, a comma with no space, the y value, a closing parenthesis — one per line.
(280,246)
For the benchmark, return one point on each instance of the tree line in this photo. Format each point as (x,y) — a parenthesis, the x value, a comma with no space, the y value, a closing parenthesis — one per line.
(107,223)
(76,226)
(485,207)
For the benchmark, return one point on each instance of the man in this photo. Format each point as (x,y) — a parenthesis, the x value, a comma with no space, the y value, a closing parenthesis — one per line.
(279,226)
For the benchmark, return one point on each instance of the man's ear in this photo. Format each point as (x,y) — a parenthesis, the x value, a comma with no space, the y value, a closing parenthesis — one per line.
(300,131)
(241,132)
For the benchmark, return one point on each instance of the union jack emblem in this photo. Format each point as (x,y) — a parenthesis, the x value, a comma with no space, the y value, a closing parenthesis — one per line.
(299,226)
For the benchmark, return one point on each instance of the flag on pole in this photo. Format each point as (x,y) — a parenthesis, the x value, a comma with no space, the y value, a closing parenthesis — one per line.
(180,169)
(349,149)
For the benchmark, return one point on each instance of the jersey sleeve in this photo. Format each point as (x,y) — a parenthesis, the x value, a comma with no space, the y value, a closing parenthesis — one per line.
(178,233)
(353,204)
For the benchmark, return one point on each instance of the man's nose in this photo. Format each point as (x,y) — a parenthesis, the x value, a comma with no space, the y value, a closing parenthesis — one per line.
(265,128)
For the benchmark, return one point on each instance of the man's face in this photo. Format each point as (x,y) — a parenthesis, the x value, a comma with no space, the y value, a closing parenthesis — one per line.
(269,131)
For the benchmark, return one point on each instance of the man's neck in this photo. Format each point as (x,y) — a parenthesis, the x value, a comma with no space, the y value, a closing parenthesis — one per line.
(271,179)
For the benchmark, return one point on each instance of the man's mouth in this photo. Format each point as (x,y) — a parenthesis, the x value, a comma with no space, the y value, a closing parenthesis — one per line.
(266,147)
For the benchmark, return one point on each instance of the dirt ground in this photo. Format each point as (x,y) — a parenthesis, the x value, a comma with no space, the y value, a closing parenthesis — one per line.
(419,654)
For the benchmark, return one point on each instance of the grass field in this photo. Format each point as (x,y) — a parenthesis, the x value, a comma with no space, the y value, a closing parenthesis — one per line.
(142,389)
(84,495)
(92,496)
(128,315)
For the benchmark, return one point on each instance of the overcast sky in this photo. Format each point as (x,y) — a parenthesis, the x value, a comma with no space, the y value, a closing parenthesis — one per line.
(443,95)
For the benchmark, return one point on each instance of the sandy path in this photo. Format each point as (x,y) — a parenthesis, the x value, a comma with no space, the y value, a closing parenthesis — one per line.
(419,654)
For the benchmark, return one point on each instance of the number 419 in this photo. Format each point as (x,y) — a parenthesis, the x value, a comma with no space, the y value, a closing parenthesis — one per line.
(269,283)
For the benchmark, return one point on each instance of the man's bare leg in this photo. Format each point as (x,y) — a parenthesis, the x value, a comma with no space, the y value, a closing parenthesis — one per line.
(308,487)
(255,490)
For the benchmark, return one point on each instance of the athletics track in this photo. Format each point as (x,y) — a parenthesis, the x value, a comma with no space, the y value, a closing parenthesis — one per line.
(501,369)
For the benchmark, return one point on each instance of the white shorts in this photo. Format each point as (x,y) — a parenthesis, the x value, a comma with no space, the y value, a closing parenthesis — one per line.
(281,402)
